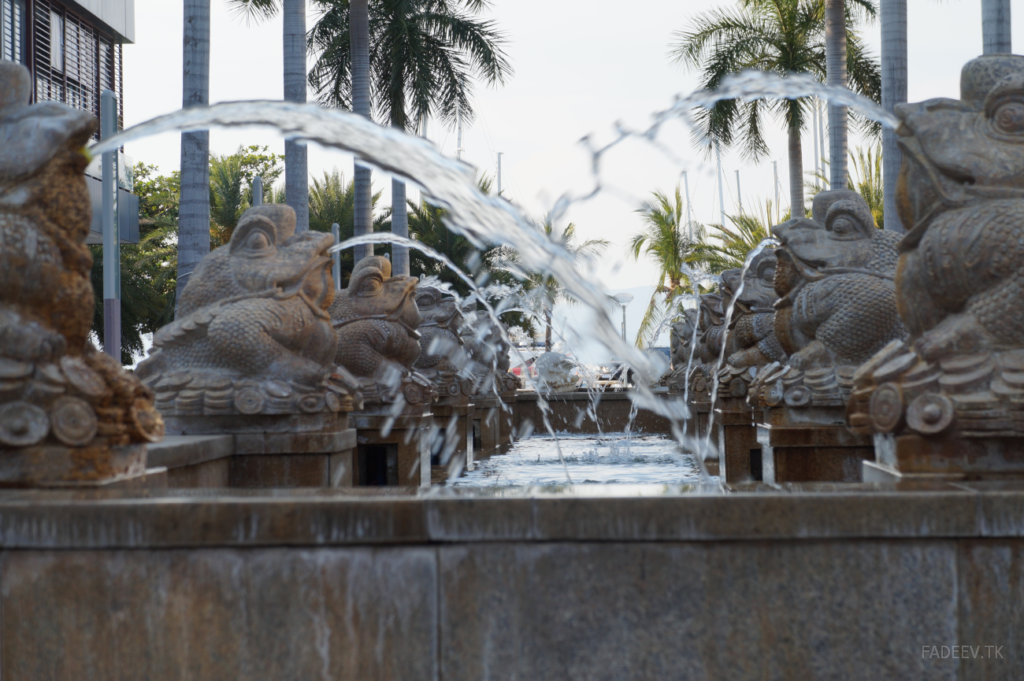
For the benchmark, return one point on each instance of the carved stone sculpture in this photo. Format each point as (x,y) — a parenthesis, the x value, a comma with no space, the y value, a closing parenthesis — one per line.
(68,413)
(836,281)
(682,348)
(489,356)
(751,340)
(252,333)
(376,319)
(442,352)
(960,282)
(556,373)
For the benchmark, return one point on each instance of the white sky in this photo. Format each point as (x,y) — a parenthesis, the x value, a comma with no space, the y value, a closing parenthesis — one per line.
(579,68)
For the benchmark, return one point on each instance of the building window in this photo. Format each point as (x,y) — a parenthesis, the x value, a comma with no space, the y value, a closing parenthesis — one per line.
(12,30)
(72,60)
(56,42)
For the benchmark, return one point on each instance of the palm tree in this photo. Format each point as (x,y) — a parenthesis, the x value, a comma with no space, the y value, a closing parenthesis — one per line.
(868,183)
(194,207)
(359,43)
(422,56)
(296,178)
(231,187)
(777,36)
(332,200)
(893,17)
(551,290)
(667,241)
(725,248)
(995,26)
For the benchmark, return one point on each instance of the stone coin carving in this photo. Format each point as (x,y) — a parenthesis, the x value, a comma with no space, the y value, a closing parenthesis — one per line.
(960,281)
(64,407)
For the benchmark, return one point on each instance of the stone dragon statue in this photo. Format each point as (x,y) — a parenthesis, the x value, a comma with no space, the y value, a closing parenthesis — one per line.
(66,409)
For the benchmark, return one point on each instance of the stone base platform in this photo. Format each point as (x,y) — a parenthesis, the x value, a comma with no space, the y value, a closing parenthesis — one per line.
(569,413)
(487,416)
(456,419)
(812,581)
(739,452)
(915,457)
(390,451)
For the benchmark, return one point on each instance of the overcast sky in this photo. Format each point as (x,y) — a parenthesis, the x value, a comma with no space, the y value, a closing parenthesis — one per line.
(579,68)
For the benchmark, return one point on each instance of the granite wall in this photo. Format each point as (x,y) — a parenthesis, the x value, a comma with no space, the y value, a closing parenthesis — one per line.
(769,583)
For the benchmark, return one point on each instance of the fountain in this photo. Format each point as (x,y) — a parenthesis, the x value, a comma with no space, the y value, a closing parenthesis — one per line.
(548,582)
(837,307)
(750,345)
(376,319)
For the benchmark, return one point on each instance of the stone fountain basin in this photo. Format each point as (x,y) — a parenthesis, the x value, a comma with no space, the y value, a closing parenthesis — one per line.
(640,582)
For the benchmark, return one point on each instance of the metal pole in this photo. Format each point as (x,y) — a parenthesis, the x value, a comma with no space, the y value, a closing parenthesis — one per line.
(458,132)
(821,141)
(111,241)
(775,173)
(739,194)
(499,173)
(995,26)
(623,322)
(689,216)
(894,91)
(257,191)
(721,189)
(814,129)
(336,269)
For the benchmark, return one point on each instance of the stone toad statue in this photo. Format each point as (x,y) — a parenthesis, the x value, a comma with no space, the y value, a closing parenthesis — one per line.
(960,281)
(252,333)
(751,341)
(836,281)
(442,352)
(68,413)
(376,319)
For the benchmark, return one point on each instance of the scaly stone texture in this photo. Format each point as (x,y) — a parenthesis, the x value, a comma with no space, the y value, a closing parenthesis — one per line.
(960,282)
(220,614)
(804,610)
(68,413)
(252,334)
(837,307)
(443,352)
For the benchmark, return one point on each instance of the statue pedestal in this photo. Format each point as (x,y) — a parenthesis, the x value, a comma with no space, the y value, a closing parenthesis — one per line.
(60,466)
(811,445)
(280,450)
(507,419)
(697,428)
(739,452)
(915,457)
(454,417)
(390,451)
(487,417)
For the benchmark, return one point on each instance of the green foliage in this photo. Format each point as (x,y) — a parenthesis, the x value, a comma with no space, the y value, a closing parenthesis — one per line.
(332,200)
(777,36)
(231,179)
(725,248)
(867,163)
(158,194)
(669,242)
(424,57)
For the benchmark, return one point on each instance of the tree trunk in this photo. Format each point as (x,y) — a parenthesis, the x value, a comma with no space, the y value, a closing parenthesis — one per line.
(359,34)
(796,173)
(547,330)
(296,176)
(835,64)
(194,200)
(894,91)
(399,209)
(995,26)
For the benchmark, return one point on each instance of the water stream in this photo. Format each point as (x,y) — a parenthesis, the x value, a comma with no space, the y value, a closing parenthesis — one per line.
(486,220)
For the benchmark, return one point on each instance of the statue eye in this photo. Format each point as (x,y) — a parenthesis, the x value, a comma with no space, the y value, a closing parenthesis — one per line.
(843,227)
(1009,117)
(424,302)
(258,240)
(370,287)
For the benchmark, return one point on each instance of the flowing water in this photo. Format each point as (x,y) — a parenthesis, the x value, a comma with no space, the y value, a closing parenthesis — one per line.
(611,458)
(486,220)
